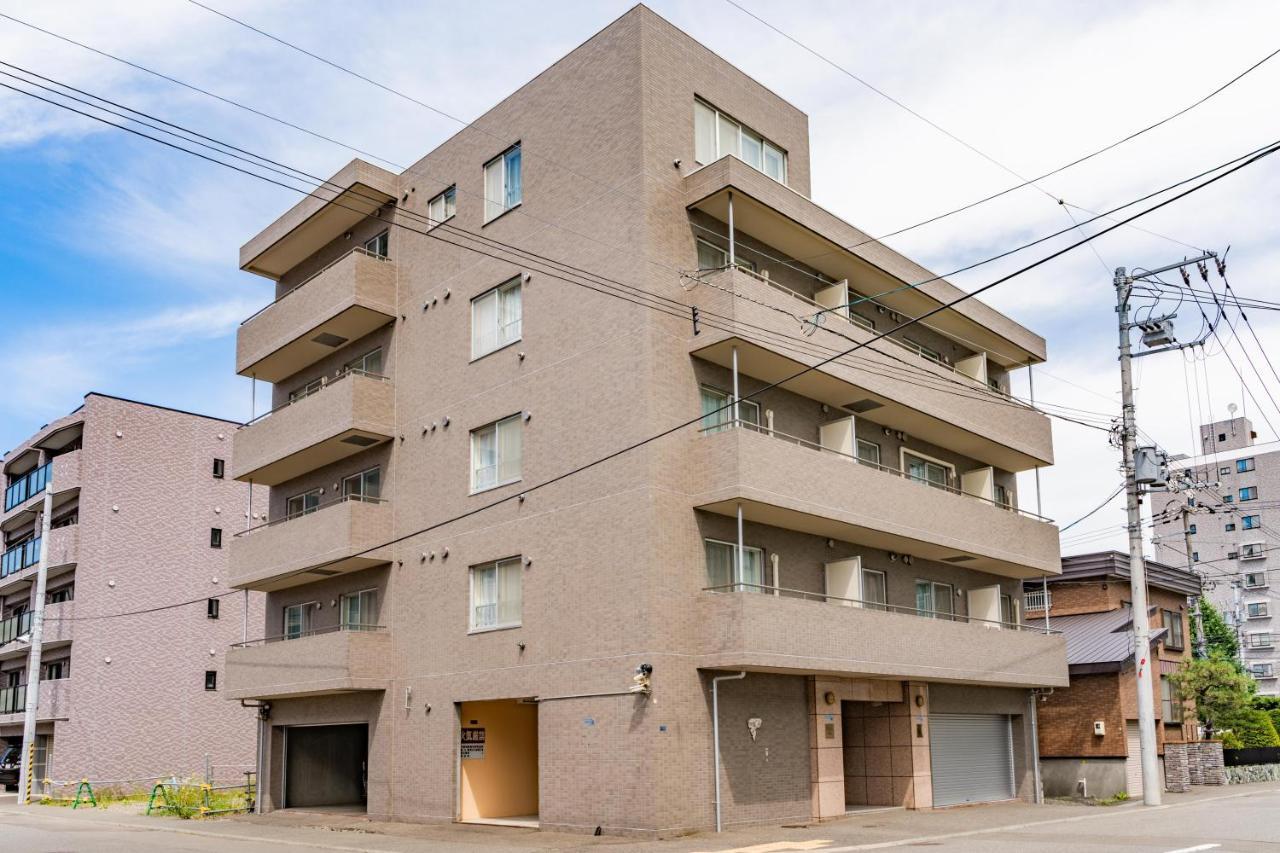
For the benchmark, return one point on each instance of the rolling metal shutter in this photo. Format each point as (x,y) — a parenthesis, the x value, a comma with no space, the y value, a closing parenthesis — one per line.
(1133,759)
(971,757)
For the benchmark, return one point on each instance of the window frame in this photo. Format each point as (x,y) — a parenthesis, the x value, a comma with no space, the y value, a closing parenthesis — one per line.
(516,562)
(380,241)
(1262,575)
(211,680)
(504,158)
(213,608)
(903,453)
(739,262)
(359,595)
(932,610)
(869,603)
(1175,639)
(1248,493)
(1251,522)
(743,585)
(61,595)
(363,361)
(1252,641)
(448,199)
(498,292)
(361,476)
(1257,610)
(1172,709)
(724,415)
(63,666)
(857,450)
(719,120)
(219,468)
(290,514)
(305,609)
(1244,466)
(476,488)
(215,537)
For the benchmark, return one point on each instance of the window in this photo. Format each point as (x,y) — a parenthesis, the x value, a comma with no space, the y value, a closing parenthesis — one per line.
(57,669)
(1258,640)
(360,610)
(496,318)
(1008,611)
(365,486)
(377,245)
(1170,701)
(210,679)
(67,520)
(1192,530)
(213,608)
(502,185)
(1262,670)
(928,471)
(722,558)
(496,454)
(1231,555)
(1224,471)
(924,351)
(302,504)
(370,362)
(1253,580)
(717,415)
(443,206)
(1230,527)
(716,135)
(1002,496)
(874,589)
(869,452)
(1251,522)
(496,595)
(297,620)
(215,537)
(1249,493)
(712,257)
(1222,436)
(1243,466)
(1195,556)
(1257,610)
(1253,551)
(219,468)
(60,595)
(306,390)
(1172,620)
(935,600)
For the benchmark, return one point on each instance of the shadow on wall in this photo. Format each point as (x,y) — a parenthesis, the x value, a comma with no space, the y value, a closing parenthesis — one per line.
(766,777)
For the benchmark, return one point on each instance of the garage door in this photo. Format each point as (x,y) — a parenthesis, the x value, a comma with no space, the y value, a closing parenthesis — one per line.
(972,758)
(325,765)
(1133,758)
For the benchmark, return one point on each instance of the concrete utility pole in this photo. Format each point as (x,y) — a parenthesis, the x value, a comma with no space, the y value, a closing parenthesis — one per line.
(1151,794)
(33,660)
(1201,643)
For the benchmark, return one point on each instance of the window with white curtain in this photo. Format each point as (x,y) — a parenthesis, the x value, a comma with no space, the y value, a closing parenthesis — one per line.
(502,183)
(874,589)
(935,599)
(715,415)
(496,454)
(716,135)
(496,595)
(496,318)
(721,558)
(297,620)
(443,206)
(360,610)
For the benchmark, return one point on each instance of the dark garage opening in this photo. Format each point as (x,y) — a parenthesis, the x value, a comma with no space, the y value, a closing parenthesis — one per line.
(326,765)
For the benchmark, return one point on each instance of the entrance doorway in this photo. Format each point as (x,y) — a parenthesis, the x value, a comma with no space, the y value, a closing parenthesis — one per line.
(868,756)
(498,762)
(326,766)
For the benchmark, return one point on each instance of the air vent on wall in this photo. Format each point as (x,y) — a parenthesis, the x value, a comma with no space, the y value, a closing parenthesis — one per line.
(861,406)
(963,558)
(360,440)
(329,340)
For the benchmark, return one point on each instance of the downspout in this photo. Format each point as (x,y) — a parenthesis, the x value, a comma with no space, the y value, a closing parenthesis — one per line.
(732,255)
(715,732)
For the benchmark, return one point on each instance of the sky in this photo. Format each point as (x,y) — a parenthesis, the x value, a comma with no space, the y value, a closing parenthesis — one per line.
(119,268)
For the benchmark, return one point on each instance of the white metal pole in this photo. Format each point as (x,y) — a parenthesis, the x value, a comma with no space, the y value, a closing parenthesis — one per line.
(732,247)
(1044,580)
(1035,742)
(715,733)
(1151,794)
(37,638)
(738,554)
(735,387)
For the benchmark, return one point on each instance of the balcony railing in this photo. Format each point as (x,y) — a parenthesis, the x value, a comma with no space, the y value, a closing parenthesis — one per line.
(897,472)
(20,557)
(325,382)
(884,607)
(14,627)
(293,516)
(310,632)
(13,700)
(359,250)
(28,486)
(1039,599)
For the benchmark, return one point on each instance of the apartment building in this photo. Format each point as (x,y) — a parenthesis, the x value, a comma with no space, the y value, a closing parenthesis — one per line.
(138,609)
(1232,528)
(822,591)
(1089,744)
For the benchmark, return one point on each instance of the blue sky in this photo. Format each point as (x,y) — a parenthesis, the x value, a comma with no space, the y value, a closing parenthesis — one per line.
(119,267)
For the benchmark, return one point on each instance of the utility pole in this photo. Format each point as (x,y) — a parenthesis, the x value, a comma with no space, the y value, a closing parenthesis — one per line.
(1201,643)
(27,767)
(1151,794)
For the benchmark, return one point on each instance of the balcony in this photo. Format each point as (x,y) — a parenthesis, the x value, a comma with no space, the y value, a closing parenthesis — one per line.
(787,483)
(904,389)
(54,703)
(352,413)
(336,661)
(793,631)
(339,537)
(346,300)
(794,226)
(17,565)
(15,631)
(24,497)
(358,191)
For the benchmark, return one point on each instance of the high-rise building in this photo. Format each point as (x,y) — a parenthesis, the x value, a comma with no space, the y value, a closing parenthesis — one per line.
(831,553)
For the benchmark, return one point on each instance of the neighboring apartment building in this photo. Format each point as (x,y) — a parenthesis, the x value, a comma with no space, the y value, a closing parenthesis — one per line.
(1089,730)
(851,542)
(143,504)
(1234,534)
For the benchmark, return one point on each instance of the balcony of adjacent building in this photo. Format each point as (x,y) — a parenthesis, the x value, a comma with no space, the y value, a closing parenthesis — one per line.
(20,559)
(342,302)
(792,602)
(319,541)
(54,703)
(339,659)
(56,631)
(28,478)
(328,421)
(791,461)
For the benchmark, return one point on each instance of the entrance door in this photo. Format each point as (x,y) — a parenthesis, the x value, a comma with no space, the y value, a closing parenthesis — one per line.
(498,758)
(1133,759)
(972,758)
(326,765)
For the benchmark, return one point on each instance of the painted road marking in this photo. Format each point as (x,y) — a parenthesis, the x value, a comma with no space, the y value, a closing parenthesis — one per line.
(1194,849)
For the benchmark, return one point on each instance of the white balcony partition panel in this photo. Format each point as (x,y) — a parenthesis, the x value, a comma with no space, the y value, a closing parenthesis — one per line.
(836,297)
(844,581)
(984,604)
(839,436)
(980,482)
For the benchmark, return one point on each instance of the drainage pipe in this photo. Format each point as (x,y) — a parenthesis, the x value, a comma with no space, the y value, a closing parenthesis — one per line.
(715,731)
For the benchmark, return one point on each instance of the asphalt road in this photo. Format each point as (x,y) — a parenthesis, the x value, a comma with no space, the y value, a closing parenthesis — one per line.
(1223,820)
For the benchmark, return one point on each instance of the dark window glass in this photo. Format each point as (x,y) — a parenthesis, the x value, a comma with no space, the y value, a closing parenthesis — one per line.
(215,537)
(210,679)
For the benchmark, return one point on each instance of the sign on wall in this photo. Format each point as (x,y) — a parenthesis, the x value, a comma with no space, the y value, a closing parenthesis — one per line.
(472,746)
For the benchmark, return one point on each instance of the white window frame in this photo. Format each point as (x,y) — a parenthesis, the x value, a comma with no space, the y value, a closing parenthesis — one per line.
(383,237)
(726,147)
(867,602)
(724,417)
(738,261)
(360,476)
(359,595)
(1263,610)
(514,564)
(903,453)
(305,609)
(1252,492)
(504,333)
(733,547)
(290,513)
(1268,669)
(306,390)
(933,609)
(476,486)
(1245,524)
(496,208)
(1252,550)
(361,363)
(859,445)
(1254,643)
(1262,575)
(1244,466)
(443,207)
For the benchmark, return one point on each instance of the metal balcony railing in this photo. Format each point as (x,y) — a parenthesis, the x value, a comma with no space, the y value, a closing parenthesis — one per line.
(358,627)
(325,382)
(305,512)
(948,486)
(14,627)
(28,486)
(13,700)
(359,250)
(1037,600)
(908,610)
(20,557)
